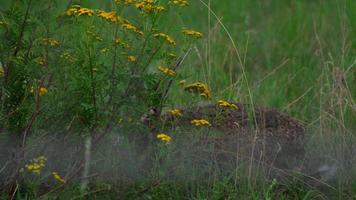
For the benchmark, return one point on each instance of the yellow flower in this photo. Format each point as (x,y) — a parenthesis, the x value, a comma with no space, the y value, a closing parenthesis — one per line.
(78,11)
(43,91)
(118,41)
(200,122)
(182,82)
(192,33)
(67,56)
(226,104)
(176,112)
(2,72)
(108,16)
(149,6)
(167,71)
(172,55)
(164,137)
(168,38)
(131,58)
(73,10)
(128,26)
(40,61)
(36,165)
(200,88)
(85,11)
(119,120)
(104,50)
(58,177)
(49,42)
(181,3)
(3,23)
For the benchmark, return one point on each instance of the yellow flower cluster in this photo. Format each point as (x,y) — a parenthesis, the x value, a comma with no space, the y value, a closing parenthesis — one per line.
(95,36)
(36,165)
(182,82)
(41,91)
(226,104)
(167,71)
(172,55)
(181,3)
(200,88)
(149,6)
(78,11)
(49,42)
(200,122)
(168,38)
(128,26)
(176,112)
(192,33)
(108,16)
(58,177)
(2,71)
(164,137)
(40,61)
(131,58)
(67,56)
(118,41)
(104,50)
(4,24)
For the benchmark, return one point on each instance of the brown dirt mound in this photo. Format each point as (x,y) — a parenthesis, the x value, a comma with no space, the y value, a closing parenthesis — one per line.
(276,137)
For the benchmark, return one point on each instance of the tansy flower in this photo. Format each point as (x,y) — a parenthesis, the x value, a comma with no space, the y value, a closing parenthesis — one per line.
(36,165)
(58,177)
(168,38)
(43,91)
(40,61)
(49,42)
(109,16)
(192,33)
(200,122)
(128,26)
(118,41)
(67,56)
(2,72)
(131,58)
(73,10)
(172,55)
(200,88)
(182,82)
(180,3)
(85,11)
(164,137)
(78,11)
(167,71)
(104,50)
(226,104)
(4,24)
(175,112)
(149,6)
